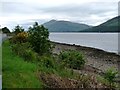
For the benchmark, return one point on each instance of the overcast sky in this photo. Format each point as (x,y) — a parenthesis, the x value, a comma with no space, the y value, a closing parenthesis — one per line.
(91,12)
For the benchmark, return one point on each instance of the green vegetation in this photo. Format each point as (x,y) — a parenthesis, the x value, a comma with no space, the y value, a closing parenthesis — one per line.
(5,30)
(110,76)
(18,29)
(20,38)
(28,62)
(21,73)
(65,26)
(22,64)
(38,38)
(24,51)
(111,25)
(16,72)
(72,59)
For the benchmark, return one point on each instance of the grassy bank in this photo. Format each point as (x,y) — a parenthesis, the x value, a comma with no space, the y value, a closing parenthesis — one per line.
(17,72)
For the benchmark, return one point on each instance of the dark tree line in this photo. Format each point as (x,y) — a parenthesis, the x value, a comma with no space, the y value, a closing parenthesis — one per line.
(5,30)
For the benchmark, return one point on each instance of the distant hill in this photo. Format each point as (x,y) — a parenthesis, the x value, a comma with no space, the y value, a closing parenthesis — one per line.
(112,25)
(65,26)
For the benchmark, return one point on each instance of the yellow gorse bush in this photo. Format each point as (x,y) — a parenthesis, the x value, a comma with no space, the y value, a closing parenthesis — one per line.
(22,37)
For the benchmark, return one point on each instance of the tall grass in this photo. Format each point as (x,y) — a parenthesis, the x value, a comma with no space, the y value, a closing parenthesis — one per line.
(18,73)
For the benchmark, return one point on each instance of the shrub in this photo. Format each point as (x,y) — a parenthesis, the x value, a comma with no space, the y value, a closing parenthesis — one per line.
(30,55)
(24,50)
(18,49)
(110,76)
(72,59)
(38,38)
(18,29)
(47,61)
(5,30)
(20,38)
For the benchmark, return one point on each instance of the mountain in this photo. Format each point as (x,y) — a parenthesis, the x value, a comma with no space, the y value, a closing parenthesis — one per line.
(112,25)
(65,26)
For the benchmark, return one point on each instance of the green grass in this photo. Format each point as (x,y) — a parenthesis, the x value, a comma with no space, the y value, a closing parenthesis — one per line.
(106,82)
(19,73)
(65,73)
(16,72)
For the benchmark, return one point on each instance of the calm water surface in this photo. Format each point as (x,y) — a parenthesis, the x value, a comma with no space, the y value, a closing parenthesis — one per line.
(104,41)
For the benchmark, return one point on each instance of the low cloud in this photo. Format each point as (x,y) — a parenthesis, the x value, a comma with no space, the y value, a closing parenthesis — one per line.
(92,13)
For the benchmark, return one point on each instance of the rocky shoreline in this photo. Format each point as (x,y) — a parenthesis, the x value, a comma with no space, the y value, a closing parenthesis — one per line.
(95,58)
(85,47)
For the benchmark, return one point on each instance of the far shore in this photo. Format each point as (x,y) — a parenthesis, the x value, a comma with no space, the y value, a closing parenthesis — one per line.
(82,32)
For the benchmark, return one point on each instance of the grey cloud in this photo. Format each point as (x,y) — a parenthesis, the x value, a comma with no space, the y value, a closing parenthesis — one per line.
(73,12)
(85,9)
(119,8)
(83,13)
(10,8)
